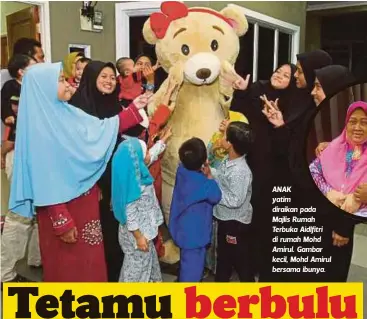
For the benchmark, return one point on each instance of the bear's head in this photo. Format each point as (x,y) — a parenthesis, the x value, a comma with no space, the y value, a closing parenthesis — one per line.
(197,39)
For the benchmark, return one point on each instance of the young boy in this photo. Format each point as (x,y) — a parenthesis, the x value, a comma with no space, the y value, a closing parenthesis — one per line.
(131,80)
(20,235)
(10,94)
(216,155)
(234,211)
(79,68)
(194,196)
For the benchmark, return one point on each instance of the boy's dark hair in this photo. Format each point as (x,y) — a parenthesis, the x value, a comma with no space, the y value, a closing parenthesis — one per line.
(120,60)
(193,154)
(84,60)
(16,63)
(26,46)
(240,136)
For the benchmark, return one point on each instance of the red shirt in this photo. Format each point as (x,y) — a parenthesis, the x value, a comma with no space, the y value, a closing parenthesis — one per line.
(72,82)
(129,87)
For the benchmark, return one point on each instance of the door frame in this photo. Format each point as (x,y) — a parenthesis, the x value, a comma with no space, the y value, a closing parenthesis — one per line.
(45,27)
(123,12)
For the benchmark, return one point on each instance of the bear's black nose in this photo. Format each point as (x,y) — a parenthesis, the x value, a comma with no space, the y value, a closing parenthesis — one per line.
(203,73)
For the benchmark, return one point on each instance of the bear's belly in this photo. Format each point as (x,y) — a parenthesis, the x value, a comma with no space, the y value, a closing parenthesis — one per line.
(197,114)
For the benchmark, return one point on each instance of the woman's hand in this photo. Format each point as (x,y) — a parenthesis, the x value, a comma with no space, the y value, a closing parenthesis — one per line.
(272,112)
(142,243)
(339,240)
(351,204)
(70,237)
(320,148)
(143,100)
(148,73)
(337,198)
(241,83)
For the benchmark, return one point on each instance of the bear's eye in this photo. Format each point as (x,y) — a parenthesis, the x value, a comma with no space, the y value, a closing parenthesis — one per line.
(214,45)
(185,49)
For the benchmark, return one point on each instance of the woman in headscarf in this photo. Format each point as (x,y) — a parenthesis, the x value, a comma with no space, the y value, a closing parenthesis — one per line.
(97,96)
(342,166)
(70,63)
(60,154)
(143,61)
(329,81)
(338,172)
(262,158)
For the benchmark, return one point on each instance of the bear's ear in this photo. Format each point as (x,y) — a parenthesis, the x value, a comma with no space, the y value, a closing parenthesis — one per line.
(148,33)
(237,17)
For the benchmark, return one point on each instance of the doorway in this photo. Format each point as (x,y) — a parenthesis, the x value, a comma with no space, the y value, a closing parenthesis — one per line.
(130,19)
(30,19)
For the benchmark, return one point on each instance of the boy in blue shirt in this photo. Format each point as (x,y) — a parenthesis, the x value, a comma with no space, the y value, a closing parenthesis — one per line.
(194,195)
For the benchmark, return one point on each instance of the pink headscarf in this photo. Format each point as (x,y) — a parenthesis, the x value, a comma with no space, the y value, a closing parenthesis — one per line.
(333,160)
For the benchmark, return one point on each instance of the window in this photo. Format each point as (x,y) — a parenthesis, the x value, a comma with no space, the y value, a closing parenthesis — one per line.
(267,44)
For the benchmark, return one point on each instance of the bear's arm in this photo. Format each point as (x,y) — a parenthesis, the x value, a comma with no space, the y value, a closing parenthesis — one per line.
(225,103)
(225,88)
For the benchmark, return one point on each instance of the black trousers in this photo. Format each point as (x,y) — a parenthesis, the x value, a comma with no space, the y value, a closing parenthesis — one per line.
(233,251)
(110,227)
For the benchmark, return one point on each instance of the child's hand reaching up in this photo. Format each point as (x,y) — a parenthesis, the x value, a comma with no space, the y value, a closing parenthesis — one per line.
(223,126)
(206,170)
(165,134)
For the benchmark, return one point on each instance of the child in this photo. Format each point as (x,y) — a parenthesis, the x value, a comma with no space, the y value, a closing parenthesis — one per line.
(80,65)
(234,211)
(216,155)
(20,234)
(194,196)
(10,94)
(136,207)
(131,80)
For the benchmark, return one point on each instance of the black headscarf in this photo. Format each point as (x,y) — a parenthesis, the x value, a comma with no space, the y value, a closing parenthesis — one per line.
(334,78)
(248,102)
(311,61)
(301,102)
(90,99)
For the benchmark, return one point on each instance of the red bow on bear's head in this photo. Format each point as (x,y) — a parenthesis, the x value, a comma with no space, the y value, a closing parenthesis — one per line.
(173,10)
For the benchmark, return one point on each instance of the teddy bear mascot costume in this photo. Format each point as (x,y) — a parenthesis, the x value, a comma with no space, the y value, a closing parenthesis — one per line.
(198,48)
